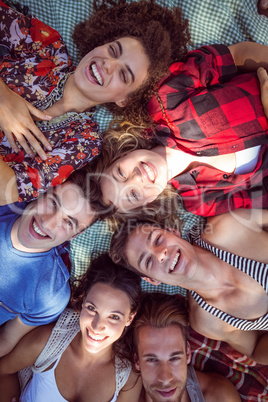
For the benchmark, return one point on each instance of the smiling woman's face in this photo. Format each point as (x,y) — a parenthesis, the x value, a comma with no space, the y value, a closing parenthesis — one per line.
(135,179)
(105,313)
(109,73)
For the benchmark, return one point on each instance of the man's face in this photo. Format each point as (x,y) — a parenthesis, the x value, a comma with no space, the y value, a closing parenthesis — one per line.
(161,255)
(53,219)
(162,360)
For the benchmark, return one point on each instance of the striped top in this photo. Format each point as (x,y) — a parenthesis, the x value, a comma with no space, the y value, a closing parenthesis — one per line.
(256,270)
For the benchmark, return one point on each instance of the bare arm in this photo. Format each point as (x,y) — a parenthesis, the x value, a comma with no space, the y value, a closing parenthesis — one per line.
(260,353)
(132,390)
(23,355)
(10,334)
(214,328)
(16,118)
(249,56)
(8,185)
(216,387)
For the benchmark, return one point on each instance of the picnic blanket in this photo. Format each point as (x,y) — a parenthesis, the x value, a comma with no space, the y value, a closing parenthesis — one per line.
(210,21)
(249,378)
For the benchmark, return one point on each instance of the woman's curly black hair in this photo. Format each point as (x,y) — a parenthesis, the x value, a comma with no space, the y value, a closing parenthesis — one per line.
(161,31)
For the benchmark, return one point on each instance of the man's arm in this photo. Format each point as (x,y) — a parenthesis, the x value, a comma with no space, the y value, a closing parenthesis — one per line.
(249,56)
(10,334)
(216,387)
(8,185)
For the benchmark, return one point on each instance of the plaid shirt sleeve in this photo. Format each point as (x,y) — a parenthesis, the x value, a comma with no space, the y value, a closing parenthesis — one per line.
(209,108)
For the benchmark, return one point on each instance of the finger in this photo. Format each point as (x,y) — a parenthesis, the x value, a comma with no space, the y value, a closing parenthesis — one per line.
(34,144)
(38,113)
(24,144)
(40,136)
(262,75)
(11,141)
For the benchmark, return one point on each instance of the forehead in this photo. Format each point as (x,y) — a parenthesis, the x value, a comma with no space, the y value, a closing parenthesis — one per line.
(108,297)
(70,201)
(160,341)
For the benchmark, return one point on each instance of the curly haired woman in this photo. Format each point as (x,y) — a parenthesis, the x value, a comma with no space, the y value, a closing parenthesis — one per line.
(125,49)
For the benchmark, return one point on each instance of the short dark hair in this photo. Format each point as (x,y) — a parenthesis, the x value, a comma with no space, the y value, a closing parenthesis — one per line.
(161,31)
(160,310)
(90,188)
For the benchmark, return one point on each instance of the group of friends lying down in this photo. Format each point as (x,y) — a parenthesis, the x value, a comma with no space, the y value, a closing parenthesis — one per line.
(134,196)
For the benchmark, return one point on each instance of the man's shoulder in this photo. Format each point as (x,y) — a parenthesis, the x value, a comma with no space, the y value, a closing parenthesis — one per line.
(215,386)
(10,210)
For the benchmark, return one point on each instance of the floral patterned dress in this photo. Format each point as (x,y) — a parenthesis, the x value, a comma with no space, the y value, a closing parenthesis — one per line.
(34,63)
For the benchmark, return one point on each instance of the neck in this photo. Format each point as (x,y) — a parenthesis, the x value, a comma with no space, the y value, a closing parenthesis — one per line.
(72,100)
(177,161)
(209,275)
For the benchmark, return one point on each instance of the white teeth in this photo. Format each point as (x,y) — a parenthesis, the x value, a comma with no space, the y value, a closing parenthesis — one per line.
(96,73)
(174,262)
(149,171)
(37,230)
(95,337)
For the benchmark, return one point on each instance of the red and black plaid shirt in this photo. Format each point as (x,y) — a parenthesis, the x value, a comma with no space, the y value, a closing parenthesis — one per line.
(212,110)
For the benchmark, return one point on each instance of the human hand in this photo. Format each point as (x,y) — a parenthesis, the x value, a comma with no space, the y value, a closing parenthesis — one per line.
(16,119)
(263,78)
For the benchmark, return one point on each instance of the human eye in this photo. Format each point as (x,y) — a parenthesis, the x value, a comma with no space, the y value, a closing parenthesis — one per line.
(120,173)
(123,76)
(148,262)
(114,317)
(69,224)
(134,195)
(52,203)
(157,240)
(151,360)
(91,308)
(112,51)
(175,358)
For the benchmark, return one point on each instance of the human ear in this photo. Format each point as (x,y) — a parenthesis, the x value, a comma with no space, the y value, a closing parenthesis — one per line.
(136,361)
(130,318)
(188,352)
(152,281)
(174,231)
(121,103)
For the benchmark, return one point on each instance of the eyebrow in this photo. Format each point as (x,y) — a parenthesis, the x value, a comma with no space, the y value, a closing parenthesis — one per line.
(148,241)
(177,353)
(58,200)
(127,66)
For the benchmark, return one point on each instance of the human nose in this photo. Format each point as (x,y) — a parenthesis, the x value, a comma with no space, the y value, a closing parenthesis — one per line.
(97,324)
(164,373)
(110,65)
(51,221)
(161,253)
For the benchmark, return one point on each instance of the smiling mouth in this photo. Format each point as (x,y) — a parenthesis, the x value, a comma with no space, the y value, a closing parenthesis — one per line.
(175,261)
(149,172)
(95,74)
(96,338)
(37,229)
